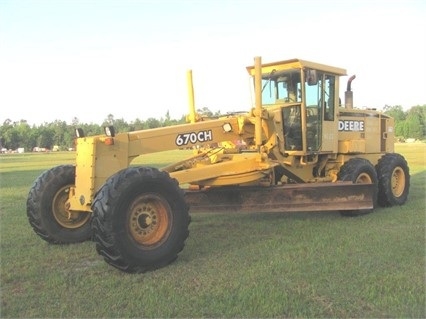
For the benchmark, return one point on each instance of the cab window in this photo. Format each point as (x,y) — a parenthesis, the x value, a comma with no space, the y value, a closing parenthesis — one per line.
(283,87)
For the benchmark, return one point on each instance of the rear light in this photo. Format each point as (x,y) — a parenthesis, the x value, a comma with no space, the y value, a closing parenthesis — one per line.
(109,141)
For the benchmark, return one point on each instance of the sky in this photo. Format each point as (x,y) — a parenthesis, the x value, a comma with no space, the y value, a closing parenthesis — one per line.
(66,59)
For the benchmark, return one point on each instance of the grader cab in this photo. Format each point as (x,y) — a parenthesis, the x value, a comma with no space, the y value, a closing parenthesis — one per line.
(297,149)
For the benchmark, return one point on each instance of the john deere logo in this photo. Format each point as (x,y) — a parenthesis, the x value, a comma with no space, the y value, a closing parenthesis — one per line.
(351,126)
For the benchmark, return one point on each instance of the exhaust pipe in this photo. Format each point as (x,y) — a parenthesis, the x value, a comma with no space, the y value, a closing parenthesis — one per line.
(349,97)
(258,105)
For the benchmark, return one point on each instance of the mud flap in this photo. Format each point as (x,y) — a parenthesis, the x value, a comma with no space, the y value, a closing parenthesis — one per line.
(287,198)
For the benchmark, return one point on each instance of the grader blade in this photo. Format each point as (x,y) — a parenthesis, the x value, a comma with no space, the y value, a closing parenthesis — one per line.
(286,198)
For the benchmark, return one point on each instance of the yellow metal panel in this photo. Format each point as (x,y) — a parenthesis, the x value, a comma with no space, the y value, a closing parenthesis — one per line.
(329,137)
(389,135)
(111,158)
(81,195)
(238,169)
(182,136)
(95,163)
(353,146)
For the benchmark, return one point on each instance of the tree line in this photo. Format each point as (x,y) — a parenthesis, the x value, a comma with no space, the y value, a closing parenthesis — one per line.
(15,135)
(408,124)
(60,134)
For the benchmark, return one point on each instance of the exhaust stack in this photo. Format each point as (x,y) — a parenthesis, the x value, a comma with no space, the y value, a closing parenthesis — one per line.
(258,105)
(349,98)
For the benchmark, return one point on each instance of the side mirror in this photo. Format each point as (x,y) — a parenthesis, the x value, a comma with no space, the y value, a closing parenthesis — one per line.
(79,132)
(109,131)
(311,77)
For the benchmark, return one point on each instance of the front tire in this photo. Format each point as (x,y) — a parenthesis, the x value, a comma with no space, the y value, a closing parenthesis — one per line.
(394,180)
(140,220)
(47,208)
(359,170)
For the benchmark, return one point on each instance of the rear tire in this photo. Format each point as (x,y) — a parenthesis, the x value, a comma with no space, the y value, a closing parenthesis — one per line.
(140,220)
(359,170)
(47,208)
(394,180)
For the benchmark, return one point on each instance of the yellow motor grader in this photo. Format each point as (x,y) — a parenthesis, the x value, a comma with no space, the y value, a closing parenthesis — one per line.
(297,149)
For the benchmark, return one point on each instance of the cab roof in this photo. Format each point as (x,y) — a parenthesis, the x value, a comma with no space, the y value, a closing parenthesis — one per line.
(296,64)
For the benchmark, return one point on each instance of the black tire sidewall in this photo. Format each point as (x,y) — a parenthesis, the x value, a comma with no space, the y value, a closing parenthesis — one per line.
(128,247)
(40,206)
(350,171)
(385,168)
(122,189)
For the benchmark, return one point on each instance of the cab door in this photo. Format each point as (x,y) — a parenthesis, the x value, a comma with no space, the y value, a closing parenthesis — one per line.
(329,105)
(321,99)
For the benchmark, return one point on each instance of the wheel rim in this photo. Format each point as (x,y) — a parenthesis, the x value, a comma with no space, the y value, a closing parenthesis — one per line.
(398,181)
(149,219)
(364,178)
(62,214)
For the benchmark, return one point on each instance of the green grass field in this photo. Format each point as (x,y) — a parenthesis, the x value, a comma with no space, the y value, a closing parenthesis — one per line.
(309,265)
